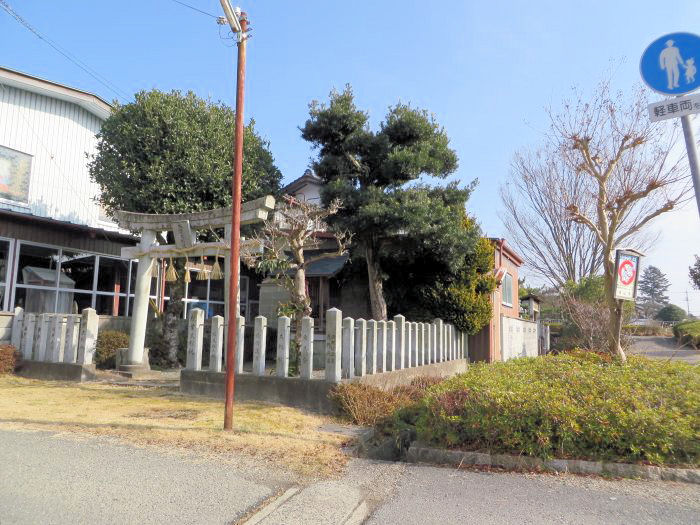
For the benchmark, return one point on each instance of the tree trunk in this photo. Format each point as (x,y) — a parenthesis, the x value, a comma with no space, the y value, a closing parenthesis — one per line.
(302,303)
(376,286)
(615,318)
(171,319)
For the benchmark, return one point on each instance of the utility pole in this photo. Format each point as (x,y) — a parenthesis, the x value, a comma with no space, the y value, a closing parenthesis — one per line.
(687,303)
(239,25)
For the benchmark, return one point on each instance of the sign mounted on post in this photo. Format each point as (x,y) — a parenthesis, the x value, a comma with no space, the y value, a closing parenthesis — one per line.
(626,274)
(669,65)
(674,107)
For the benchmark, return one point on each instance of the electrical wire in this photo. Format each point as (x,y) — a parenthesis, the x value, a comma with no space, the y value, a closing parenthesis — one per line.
(75,60)
(195,9)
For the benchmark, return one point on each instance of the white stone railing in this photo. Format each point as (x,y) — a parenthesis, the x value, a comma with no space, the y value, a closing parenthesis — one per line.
(56,338)
(354,347)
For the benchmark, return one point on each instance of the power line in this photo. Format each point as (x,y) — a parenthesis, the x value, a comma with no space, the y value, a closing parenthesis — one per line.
(195,9)
(75,60)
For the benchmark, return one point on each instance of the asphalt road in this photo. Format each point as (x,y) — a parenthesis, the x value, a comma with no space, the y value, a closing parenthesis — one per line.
(663,348)
(432,495)
(56,479)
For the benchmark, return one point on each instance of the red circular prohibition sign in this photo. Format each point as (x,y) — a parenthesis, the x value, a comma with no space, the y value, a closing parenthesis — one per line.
(626,272)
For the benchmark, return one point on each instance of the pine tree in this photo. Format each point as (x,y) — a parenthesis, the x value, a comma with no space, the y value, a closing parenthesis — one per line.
(653,291)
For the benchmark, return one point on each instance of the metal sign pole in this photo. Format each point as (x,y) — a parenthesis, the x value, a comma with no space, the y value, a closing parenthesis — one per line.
(692,148)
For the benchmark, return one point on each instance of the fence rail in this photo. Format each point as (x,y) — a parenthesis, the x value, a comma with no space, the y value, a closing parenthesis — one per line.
(353,347)
(55,338)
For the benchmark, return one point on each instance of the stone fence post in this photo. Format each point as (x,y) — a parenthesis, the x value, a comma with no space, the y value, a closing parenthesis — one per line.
(27,342)
(307,347)
(16,337)
(371,346)
(348,348)
(259,343)
(195,339)
(283,329)
(360,347)
(70,347)
(87,338)
(390,346)
(216,343)
(240,343)
(399,357)
(333,345)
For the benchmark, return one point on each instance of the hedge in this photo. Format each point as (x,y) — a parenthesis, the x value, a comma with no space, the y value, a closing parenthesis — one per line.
(108,341)
(8,359)
(576,405)
(688,332)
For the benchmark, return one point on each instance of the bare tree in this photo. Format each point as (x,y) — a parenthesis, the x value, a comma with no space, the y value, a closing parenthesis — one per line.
(285,241)
(628,173)
(535,217)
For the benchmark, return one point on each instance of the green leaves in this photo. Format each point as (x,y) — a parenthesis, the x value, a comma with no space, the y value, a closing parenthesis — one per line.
(576,405)
(172,153)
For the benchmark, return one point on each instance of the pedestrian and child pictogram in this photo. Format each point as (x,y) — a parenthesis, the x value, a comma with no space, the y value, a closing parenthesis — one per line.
(668,65)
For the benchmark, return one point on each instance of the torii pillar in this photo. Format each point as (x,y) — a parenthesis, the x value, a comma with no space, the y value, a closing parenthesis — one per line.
(139,311)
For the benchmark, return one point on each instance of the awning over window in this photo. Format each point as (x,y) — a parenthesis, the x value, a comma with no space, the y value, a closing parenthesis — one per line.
(326,267)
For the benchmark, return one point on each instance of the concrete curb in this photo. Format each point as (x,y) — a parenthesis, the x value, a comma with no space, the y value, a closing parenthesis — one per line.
(419,453)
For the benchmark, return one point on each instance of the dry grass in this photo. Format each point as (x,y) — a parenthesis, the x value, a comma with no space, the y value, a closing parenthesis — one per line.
(161,417)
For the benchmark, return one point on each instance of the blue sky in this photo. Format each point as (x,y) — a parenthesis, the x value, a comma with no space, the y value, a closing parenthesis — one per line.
(486,70)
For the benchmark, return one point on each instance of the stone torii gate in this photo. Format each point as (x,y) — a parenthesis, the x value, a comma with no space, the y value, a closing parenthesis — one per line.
(184,227)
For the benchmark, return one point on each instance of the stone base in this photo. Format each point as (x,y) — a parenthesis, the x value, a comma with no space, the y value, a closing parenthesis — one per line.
(129,369)
(134,371)
(307,394)
(55,371)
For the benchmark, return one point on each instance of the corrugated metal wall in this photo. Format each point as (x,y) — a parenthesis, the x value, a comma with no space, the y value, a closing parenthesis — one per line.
(57,134)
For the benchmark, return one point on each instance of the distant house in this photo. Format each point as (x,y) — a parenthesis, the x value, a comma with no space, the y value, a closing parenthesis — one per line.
(327,285)
(58,250)
(487,345)
(332,284)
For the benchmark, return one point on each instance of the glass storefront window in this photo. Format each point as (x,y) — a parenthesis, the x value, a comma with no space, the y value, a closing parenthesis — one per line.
(4,264)
(110,304)
(37,266)
(65,281)
(112,275)
(79,268)
(73,302)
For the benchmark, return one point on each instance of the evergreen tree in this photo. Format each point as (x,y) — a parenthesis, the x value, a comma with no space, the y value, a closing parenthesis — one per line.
(653,291)
(694,273)
(369,171)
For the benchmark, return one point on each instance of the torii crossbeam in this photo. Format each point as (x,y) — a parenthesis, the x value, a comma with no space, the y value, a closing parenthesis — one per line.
(184,227)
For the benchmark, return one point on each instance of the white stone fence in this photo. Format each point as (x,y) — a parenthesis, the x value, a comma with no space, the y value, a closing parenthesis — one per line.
(55,338)
(354,347)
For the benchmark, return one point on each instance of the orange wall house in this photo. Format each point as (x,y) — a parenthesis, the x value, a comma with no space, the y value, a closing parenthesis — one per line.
(486,345)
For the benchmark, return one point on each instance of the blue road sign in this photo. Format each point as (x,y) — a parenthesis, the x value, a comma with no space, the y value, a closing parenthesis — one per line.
(669,65)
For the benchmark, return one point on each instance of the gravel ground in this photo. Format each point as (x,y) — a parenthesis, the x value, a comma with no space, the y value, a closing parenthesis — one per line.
(427,495)
(663,348)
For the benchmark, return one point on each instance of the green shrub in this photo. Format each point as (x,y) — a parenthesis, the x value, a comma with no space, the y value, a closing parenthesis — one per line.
(648,330)
(369,405)
(574,405)
(688,332)
(8,359)
(108,342)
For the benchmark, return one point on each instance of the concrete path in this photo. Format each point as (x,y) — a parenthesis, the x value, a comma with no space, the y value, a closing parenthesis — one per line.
(656,347)
(426,495)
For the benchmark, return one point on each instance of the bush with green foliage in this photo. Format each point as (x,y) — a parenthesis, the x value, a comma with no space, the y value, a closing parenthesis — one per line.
(671,314)
(8,359)
(575,405)
(648,330)
(108,341)
(688,333)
